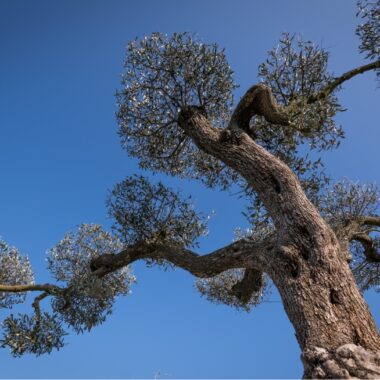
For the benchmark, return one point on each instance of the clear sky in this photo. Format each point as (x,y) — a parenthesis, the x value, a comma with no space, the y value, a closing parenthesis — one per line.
(60,66)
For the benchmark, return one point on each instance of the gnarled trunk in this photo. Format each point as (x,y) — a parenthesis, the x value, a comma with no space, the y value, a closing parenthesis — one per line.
(333,325)
(308,266)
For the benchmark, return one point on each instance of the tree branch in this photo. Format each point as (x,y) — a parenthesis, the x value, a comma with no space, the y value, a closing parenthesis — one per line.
(369,220)
(329,88)
(36,306)
(250,283)
(48,288)
(258,100)
(370,250)
(240,254)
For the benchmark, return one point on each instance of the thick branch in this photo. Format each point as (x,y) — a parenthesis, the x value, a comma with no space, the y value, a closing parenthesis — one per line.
(369,220)
(348,225)
(329,88)
(48,288)
(358,228)
(275,183)
(258,100)
(240,254)
(370,250)
(251,282)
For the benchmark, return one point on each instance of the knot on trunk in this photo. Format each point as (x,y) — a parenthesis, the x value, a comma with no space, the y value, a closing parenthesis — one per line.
(346,362)
(186,113)
(231,136)
(103,264)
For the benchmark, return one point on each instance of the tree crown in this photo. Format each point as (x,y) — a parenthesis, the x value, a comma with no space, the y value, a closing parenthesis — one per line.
(166,76)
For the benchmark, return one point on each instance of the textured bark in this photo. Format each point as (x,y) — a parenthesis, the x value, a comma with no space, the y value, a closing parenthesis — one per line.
(258,100)
(241,254)
(347,361)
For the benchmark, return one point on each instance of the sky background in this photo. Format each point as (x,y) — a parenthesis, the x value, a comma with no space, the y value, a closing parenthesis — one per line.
(60,65)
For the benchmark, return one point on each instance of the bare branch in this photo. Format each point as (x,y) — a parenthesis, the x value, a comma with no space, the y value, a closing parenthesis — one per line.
(368,244)
(369,220)
(48,288)
(240,254)
(327,90)
(347,226)
(258,100)
(37,309)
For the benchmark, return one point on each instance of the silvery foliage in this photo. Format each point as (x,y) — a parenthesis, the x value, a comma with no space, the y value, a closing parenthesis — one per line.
(260,232)
(369,30)
(347,199)
(32,334)
(295,70)
(14,270)
(153,213)
(164,75)
(218,289)
(88,299)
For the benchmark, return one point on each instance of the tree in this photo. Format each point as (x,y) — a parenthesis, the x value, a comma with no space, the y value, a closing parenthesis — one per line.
(310,240)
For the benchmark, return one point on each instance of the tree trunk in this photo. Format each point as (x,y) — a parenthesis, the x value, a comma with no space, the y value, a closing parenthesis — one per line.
(332,322)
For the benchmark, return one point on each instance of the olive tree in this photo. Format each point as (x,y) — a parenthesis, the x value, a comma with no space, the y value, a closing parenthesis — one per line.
(316,242)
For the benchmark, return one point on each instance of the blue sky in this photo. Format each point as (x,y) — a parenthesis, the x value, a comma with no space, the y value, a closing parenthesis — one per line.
(59,69)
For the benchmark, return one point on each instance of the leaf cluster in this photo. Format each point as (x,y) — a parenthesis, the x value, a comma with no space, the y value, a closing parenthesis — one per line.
(32,334)
(369,30)
(146,212)
(88,299)
(346,198)
(83,302)
(295,71)
(163,75)
(14,270)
